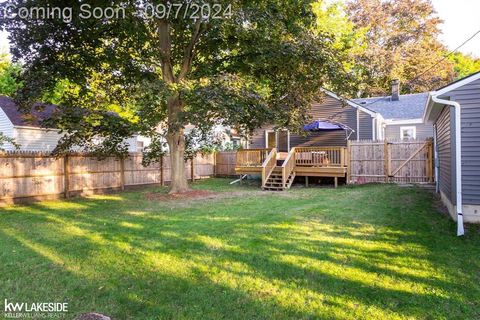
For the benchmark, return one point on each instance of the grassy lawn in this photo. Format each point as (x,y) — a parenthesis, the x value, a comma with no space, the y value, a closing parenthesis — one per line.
(367,252)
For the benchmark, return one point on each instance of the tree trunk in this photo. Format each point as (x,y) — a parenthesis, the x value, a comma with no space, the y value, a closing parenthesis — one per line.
(176,143)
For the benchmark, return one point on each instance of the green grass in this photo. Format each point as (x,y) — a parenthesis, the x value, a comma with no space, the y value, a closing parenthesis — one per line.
(367,252)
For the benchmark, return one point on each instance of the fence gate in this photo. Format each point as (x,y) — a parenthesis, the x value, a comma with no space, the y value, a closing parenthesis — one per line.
(391,161)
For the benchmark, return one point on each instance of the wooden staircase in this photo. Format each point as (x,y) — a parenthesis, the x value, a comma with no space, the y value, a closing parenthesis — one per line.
(275,181)
(278,178)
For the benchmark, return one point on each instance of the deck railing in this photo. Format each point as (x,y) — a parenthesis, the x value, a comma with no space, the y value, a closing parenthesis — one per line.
(251,157)
(268,165)
(288,166)
(321,156)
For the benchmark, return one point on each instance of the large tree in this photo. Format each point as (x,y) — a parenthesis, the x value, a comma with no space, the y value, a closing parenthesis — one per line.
(401,38)
(254,62)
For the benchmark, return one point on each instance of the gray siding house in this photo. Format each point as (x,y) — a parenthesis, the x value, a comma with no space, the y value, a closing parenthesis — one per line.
(364,123)
(454,111)
(402,114)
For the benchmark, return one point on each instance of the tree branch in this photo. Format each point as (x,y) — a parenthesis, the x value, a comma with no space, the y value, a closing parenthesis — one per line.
(188,55)
(165,49)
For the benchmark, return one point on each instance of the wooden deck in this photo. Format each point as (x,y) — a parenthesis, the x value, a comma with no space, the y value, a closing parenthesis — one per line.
(278,170)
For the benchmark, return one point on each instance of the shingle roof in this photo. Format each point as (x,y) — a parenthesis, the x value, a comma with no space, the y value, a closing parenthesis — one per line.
(34,118)
(409,106)
(461,79)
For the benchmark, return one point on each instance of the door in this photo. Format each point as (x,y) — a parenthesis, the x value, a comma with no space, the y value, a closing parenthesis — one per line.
(282,141)
(270,139)
(278,139)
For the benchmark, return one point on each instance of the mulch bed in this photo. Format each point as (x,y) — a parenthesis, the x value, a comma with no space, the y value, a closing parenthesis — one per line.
(193,194)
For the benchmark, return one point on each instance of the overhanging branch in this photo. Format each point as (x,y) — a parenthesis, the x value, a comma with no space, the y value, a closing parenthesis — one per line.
(189,51)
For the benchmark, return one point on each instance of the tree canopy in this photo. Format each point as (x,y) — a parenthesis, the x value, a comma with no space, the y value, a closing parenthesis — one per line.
(464,64)
(401,43)
(261,61)
(9,84)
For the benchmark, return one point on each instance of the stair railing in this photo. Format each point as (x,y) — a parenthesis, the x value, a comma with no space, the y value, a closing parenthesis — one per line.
(268,165)
(288,166)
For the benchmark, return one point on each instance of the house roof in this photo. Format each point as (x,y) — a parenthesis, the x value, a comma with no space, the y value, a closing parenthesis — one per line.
(34,118)
(432,113)
(351,103)
(457,84)
(409,106)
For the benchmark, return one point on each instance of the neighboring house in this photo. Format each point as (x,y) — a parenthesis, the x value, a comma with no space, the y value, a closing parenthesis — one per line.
(30,136)
(364,124)
(227,138)
(402,114)
(454,111)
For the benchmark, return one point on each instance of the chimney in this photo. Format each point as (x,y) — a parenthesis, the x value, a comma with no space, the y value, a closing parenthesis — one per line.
(395,90)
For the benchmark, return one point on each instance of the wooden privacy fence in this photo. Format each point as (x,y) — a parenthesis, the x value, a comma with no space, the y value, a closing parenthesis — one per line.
(391,161)
(225,163)
(27,175)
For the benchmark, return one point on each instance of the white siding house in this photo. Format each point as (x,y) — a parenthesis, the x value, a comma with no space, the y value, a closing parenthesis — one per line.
(6,127)
(30,136)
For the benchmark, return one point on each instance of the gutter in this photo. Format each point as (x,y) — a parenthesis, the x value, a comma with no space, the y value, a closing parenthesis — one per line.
(458,158)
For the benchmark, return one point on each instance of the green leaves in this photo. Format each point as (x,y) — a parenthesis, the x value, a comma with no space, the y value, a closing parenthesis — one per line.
(4,140)
(9,72)
(401,42)
(464,64)
(264,63)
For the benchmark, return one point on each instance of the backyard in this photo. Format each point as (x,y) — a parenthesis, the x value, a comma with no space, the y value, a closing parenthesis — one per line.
(363,252)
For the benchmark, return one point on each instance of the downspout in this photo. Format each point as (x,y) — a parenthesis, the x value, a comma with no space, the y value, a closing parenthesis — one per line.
(458,157)
(435,158)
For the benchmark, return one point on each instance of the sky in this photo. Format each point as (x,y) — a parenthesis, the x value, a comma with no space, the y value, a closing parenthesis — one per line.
(461,21)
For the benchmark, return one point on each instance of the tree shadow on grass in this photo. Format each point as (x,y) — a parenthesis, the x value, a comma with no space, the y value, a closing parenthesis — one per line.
(125,295)
(224,260)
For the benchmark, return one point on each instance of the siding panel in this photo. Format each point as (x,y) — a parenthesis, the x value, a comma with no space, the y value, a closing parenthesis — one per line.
(33,139)
(331,109)
(424,131)
(444,145)
(36,139)
(469,98)
(6,127)
(365,125)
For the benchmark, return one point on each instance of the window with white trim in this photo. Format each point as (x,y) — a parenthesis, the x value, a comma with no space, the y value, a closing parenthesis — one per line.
(408,133)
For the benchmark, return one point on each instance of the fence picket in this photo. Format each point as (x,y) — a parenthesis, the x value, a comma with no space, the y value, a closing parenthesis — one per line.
(39,175)
(391,161)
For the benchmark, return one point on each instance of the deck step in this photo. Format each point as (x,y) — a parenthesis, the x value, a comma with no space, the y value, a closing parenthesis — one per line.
(275,182)
(272,189)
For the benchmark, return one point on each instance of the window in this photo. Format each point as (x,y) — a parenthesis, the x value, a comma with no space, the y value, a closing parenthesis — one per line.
(139,146)
(408,133)
(236,143)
